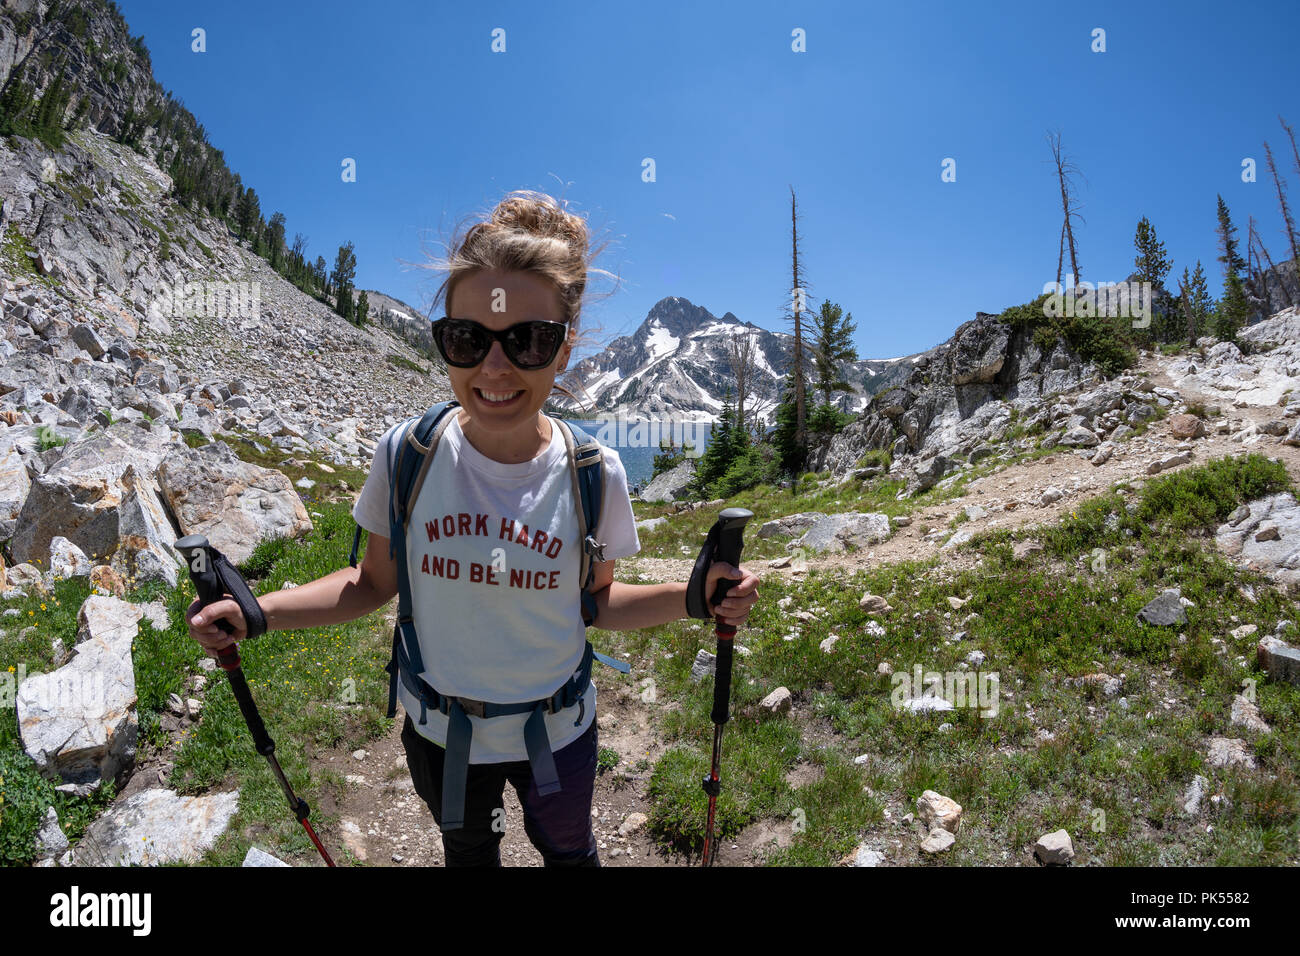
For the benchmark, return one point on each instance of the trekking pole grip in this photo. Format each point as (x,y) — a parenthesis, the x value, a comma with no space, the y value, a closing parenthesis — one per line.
(201,561)
(731,529)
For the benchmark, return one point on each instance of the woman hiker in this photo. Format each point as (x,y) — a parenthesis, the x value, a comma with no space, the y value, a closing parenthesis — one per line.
(515,288)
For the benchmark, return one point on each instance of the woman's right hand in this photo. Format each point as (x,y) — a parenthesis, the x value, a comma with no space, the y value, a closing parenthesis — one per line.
(203,624)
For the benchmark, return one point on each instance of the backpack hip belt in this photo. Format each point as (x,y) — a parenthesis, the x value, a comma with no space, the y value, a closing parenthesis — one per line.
(460,730)
(418,442)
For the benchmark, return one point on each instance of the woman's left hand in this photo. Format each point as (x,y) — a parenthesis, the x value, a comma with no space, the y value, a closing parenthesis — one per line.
(744,592)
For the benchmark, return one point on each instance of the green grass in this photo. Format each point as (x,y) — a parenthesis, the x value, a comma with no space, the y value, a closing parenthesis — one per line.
(17,250)
(1113,775)
(407,364)
(26,647)
(317,688)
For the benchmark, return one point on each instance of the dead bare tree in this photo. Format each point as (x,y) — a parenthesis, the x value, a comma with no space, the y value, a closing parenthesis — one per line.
(797,307)
(1264,264)
(1065,170)
(1287,221)
(1295,153)
(1184,297)
(1060,256)
(740,352)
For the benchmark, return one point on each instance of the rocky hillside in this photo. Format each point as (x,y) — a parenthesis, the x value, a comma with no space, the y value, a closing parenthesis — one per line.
(405,320)
(131,324)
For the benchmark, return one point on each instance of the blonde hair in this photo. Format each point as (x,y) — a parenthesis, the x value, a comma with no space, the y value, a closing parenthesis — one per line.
(527,232)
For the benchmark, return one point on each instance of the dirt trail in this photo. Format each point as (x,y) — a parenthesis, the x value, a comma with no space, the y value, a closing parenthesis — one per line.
(1012,496)
(387,824)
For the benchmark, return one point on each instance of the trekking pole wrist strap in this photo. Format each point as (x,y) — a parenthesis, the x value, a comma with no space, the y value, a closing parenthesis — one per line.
(697,602)
(237,588)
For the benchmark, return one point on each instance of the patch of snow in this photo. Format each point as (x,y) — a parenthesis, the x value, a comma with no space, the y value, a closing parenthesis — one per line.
(660,342)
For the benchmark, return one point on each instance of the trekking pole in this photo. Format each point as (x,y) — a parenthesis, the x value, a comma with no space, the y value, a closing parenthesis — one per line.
(214,577)
(724,543)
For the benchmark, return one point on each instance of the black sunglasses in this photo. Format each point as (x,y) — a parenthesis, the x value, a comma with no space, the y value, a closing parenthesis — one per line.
(464,343)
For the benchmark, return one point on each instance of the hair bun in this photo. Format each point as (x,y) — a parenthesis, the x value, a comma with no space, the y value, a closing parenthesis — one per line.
(540,215)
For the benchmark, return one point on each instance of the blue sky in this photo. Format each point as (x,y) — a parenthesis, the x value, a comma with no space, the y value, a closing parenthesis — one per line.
(441,128)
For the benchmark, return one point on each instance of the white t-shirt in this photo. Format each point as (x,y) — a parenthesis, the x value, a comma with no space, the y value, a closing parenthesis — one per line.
(493,558)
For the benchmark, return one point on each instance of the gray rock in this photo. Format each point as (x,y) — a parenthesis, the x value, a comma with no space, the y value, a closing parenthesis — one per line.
(1277,552)
(1164,611)
(1229,752)
(67,560)
(1246,714)
(865,856)
(1079,437)
(256,857)
(146,540)
(1172,461)
(78,496)
(1279,659)
(234,503)
(703,666)
(926,474)
(938,841)
(1194,795)
(958,538)
(14,485)
(1055,848)
(78,723)
(671,485)
(88,340)
(778,702)
(51,840)
(921,705)
(790,524)
(154,827)
(839,531)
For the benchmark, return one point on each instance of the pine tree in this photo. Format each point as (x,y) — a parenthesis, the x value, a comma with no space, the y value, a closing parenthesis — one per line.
(1233,309)
(276,239)
(345,270)
(247,211)
(792,454)
(363,307)
(832,345)
(1200,304)
(1194,303)
(319,279)
(1152,262)
(725,443)
(15,110)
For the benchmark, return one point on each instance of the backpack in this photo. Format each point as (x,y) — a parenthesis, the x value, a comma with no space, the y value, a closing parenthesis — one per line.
(416,447)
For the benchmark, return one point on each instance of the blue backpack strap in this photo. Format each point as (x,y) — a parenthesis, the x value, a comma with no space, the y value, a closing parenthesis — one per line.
(587,462)
(415,445)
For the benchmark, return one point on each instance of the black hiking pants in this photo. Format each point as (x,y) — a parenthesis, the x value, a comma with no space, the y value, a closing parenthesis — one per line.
(559,825)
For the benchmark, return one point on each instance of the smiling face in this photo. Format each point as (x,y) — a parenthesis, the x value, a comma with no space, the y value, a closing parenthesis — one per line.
(511,431)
